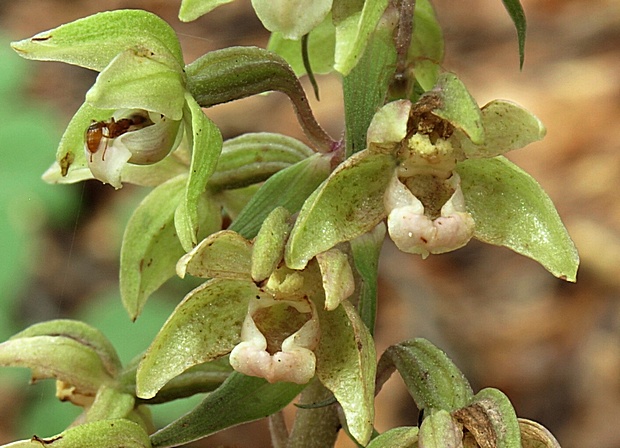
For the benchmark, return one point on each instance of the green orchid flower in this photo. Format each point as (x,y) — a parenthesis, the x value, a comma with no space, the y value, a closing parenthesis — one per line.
(137,112)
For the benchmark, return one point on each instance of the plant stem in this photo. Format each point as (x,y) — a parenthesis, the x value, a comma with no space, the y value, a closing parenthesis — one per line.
(316,427)
(278,431)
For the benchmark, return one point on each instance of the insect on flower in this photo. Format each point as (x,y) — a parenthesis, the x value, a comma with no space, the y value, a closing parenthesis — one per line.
(100,131)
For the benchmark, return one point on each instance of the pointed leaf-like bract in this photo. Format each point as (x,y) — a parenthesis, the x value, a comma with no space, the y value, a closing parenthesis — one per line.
(431,377)
(150,248)
(347,205)
(93,41)
(511,209)
(239,400)
(204,326)
(346,365)
(515,10)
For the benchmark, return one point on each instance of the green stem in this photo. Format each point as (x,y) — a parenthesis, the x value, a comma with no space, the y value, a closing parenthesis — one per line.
(315,427)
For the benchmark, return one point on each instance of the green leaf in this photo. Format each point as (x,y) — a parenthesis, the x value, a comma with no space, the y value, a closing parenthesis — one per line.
(79,332)
(93,41)
(204,326)
(239,400)
(133,80)
(440,430)
(491,419)
(206,141)
(402,437)
(347,205)
(288,188)
(346,365)
(353,32)
(515,10)
(457,106)
(224,254)
(365,87)
(427,45)
(321,43)
(192,9)
(432,379)
(511,209)
(150,248)
(112,433)
(366,250)
(254,157)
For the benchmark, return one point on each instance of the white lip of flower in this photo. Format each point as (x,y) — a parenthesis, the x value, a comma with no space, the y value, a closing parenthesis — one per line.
(414,232)
(142,144)
(295,362)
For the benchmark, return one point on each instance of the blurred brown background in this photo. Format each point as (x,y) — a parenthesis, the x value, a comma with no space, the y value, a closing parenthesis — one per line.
(553,347)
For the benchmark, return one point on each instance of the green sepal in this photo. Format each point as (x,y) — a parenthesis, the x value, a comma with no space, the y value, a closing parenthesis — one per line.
(353,30)
(440,430)
(515,10)
(239,400)
(491,419)
(337,277)
(293,18)
(206,142)
(192,9)
(321,43)
(511,209)
(224,254)
(268,248)
(432,379)
(150,247)
(401,437)
(79,332)
(348,204)
(288,188)
(204,326)
(93,41)
(346,365)
(458,107)
(110,403)
(112,433)
(427,45)
(366,250)
(254,157)
(133,80)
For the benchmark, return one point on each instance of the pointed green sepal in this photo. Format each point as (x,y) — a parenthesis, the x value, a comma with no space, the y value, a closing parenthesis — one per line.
(268,248)
(192,9)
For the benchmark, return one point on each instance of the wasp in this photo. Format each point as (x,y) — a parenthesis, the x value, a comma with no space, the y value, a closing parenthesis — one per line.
(106,130)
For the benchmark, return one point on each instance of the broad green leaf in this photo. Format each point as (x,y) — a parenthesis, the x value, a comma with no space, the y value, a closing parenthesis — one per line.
(79,332)
(292,18)
(346,365)
(135,81)
(402,437)
(268,248)
(535,435)
(353,33)
(491,419)
(515,10)
(321,43)
(224,254)
(206,142)
(440,430)
(365,87)
(427,45)
(204,326)
(192,9)
(254,157)
(347,205)
(366,250)
(93,41)
(60,357)
(288,188)
(150,248)
(112,433)
(457,106)
(511,209)
(239,400)
(507,126)
(432,379)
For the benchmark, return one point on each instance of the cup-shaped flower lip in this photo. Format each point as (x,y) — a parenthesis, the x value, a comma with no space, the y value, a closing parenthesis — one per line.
(294,361)
(129,136)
